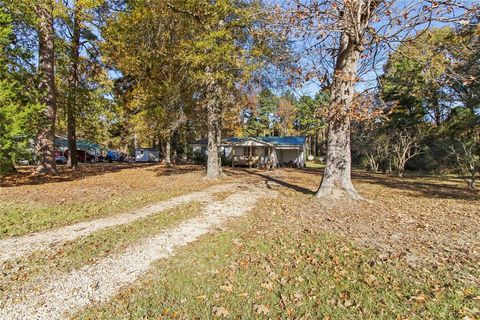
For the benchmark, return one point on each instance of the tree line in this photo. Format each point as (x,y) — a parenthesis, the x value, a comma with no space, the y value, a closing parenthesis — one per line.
(133,72)
(429,93)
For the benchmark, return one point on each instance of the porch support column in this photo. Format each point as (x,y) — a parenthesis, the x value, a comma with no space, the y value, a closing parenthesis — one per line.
(233,157)
(269,156)
(298,161)
(273,154)
(250,157)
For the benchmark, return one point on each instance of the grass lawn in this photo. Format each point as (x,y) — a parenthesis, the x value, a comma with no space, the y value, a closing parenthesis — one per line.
(409,252)
(314,165)
(28,205)
(76,254)
(274,264)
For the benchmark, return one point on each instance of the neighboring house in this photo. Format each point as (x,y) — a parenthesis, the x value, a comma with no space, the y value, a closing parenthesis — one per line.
(147,155)
(199,146)
(87,151)
(263,152)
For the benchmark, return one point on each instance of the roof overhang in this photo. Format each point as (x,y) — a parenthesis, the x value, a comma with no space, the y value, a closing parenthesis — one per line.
(247,142)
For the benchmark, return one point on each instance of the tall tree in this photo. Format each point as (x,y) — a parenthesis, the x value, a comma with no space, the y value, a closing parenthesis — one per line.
(18,108)
(357,32)
(45,144)
(161,91)
(310,120)
(81,20)
(73,86)
(286,114)
(260,116)
(415,77)
(225,51)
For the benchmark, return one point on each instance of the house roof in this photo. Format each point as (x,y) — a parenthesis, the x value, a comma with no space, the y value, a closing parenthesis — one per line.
(241,141)
(276,141)
(62,142)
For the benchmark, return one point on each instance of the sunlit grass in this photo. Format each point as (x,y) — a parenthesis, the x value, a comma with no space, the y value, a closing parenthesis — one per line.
(270,265)
(17,218)
(84,251)
(314,165)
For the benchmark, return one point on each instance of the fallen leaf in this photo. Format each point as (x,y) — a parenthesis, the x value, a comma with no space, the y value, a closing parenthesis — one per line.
(261,309)
(165,312)
(421,298)
(297,296)
(220,312)
(348,303)
(267,285)
(227,287)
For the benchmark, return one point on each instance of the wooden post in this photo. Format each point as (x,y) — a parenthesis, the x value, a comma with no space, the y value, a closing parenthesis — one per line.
(298,158)
(250,156)
(267,165)
(233,157)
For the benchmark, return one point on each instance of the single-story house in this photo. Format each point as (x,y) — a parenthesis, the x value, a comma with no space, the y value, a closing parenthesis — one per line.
(262,152)
(147,155)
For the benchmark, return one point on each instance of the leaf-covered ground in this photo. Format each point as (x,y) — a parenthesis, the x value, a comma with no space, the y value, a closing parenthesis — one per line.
(30,203)
(279,262)
(409,252)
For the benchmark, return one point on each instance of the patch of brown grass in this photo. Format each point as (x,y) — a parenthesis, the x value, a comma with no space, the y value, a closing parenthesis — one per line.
(95,191)
(422,220)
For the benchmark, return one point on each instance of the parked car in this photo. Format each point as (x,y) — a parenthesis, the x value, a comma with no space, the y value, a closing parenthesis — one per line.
(83,156)
(60,158)
(114,156)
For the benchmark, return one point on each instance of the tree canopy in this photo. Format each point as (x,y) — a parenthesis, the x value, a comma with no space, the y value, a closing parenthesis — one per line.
(163,74)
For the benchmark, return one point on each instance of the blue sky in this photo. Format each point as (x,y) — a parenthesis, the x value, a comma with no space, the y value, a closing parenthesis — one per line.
(312,87)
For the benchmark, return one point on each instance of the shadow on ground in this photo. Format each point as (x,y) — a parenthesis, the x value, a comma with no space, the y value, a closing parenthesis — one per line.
(176,169)
(304,180)
(420,186)
(25,175)
(274,176)
(417,185)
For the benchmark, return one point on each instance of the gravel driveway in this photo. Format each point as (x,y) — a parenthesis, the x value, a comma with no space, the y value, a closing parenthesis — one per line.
(57,296)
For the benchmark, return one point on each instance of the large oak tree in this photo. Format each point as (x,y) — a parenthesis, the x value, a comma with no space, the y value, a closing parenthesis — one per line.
(346,39)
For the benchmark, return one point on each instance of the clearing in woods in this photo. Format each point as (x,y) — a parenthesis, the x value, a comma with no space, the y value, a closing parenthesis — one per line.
(123,241)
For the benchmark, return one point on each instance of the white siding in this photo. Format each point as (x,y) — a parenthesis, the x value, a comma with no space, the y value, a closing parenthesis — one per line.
(294,155)
(147,155)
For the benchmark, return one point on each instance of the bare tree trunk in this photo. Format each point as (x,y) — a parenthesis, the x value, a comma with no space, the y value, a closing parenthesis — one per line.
(471,183)
(400,170)
(168,161)
(73,87)
(373,162)
(135,141)
(336,181)
(45,144)
(214,168)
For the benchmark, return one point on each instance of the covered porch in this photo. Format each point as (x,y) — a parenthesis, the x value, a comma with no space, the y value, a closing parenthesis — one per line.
(252,153)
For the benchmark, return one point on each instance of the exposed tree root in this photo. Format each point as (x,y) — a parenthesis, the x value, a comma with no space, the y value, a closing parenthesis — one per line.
(337,193)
